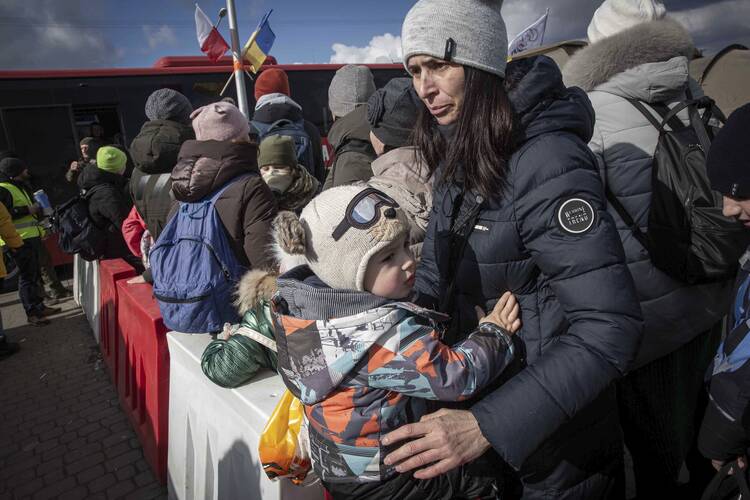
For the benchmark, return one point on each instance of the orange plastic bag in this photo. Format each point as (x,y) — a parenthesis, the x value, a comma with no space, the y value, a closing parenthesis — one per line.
(283,449)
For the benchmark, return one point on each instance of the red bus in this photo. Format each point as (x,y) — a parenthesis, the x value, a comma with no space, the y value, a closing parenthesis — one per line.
(44,113)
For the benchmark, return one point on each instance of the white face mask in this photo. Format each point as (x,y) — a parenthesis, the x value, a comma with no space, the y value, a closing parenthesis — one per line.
(278,179)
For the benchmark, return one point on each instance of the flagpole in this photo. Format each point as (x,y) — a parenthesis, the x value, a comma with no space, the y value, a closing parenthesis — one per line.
(541,42)
(239,74)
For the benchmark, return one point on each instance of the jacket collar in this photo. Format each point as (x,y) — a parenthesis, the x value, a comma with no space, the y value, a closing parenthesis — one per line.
(308,297)
(652,42)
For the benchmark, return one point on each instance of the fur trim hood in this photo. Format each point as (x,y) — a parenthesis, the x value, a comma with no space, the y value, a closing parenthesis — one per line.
(288,237)
(255,286)
(652,42)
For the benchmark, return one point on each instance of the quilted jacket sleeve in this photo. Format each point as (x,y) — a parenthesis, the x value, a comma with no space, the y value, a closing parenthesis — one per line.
(585,269)
(424,367)
(260,209)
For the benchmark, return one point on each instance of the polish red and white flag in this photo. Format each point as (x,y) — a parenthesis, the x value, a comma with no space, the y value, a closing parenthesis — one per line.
(209,38)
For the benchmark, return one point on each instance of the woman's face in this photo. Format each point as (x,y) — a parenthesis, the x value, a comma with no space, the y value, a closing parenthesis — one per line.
(440,85)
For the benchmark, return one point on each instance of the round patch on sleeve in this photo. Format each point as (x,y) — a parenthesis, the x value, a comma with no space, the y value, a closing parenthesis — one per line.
(576,216)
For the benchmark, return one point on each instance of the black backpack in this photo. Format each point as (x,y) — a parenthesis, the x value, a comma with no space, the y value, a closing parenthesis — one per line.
(688,237)
(78,233)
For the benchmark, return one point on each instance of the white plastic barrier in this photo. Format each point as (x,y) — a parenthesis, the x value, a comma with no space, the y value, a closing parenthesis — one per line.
(86,291)
(214,432)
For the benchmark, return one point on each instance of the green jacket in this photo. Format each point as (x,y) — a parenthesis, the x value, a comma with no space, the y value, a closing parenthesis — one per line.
(235,361)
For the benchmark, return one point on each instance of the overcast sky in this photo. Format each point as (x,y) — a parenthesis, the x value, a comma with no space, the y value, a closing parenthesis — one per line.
(39,34)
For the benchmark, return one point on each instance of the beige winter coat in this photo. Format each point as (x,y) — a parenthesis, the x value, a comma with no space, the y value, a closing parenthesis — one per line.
(401,176)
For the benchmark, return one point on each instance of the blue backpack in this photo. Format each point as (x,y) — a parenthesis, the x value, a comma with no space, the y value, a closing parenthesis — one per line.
(295,130)
(195,270)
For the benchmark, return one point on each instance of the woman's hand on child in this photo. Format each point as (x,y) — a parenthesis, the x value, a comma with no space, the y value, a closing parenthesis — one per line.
(505,314)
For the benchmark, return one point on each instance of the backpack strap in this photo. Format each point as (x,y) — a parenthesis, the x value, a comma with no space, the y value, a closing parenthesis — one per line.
(217,194)
(639,235)
(696,121)
(255,335)
(279,124)
(674,121)
(726,50)
(646,113)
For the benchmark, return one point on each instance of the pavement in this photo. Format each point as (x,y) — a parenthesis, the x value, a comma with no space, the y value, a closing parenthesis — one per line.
(62,432)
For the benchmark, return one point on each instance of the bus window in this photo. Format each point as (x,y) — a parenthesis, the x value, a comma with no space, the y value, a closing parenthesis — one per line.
(99,122)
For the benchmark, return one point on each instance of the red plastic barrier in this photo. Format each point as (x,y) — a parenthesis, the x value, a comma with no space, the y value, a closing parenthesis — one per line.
(143,371)
(57,256)
(110,272)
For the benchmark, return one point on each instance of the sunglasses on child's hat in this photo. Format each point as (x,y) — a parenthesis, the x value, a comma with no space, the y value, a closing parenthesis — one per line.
(363,211)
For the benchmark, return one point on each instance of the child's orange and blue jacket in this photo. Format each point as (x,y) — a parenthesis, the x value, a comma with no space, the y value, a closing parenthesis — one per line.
(363,366)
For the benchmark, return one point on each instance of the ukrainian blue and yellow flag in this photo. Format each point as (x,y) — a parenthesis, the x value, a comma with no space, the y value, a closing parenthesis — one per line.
(259,44)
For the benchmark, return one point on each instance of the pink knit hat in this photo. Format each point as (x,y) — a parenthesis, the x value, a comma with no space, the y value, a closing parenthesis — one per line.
(220,121)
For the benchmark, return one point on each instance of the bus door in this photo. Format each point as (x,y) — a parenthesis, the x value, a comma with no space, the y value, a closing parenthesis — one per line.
(45,138)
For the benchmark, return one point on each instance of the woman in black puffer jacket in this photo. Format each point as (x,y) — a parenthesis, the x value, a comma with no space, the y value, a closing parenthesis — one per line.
(518,205)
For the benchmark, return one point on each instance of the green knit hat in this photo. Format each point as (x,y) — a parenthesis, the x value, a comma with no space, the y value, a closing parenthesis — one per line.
(111,159)
(277,150)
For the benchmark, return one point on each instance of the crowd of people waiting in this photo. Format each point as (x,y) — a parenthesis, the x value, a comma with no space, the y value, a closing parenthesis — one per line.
(463,301)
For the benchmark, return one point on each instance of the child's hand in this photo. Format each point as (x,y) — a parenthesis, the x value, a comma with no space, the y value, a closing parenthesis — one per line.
(505,314)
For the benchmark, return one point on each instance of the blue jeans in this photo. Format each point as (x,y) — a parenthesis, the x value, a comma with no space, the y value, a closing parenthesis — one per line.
(27,260)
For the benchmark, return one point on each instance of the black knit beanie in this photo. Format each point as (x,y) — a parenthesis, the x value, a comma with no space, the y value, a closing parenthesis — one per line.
(392,112)
(11,167)
(728,162)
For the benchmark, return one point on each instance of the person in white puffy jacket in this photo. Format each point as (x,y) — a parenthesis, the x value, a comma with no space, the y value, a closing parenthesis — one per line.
(638,53)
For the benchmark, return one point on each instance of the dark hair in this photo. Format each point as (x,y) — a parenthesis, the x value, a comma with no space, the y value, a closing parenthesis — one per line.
(484,137)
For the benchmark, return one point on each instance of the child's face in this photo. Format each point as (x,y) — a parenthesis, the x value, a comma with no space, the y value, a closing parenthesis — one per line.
(391,272)
(737,208)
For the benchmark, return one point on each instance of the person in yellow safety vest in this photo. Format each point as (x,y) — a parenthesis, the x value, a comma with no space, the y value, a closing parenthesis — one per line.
(55,290)
(13,241)
(24,211)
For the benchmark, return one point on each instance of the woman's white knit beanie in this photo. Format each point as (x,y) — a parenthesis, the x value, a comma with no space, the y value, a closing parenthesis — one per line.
(476,28)
(614,16)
